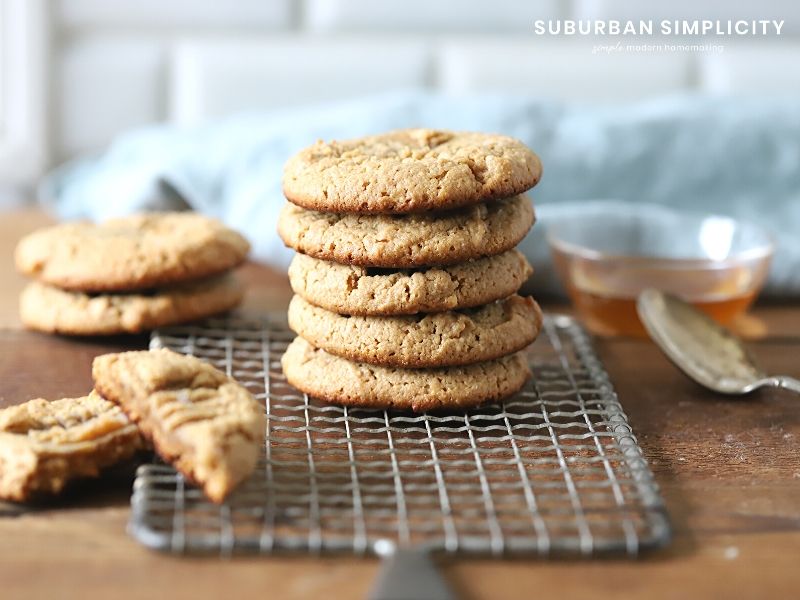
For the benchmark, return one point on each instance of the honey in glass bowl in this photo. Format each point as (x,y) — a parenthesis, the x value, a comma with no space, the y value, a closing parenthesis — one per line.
(608,252)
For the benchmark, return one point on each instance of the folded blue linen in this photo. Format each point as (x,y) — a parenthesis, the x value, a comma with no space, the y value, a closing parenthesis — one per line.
(730,156)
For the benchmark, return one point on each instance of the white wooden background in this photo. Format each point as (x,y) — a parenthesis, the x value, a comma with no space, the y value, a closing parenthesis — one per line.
(73,73)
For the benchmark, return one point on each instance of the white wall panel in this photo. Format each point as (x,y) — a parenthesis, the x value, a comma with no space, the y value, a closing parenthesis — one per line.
(430,15)
(752,69)
(217,77)
(181,14)
(23,87)
(564,70)
(106,85)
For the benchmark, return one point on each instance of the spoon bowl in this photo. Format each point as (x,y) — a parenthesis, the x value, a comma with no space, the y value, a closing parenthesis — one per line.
(704,350)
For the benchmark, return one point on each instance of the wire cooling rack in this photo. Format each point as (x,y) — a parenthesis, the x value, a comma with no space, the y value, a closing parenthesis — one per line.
(555,470)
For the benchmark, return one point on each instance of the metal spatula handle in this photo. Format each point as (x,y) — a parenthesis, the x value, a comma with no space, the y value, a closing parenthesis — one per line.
(410,575)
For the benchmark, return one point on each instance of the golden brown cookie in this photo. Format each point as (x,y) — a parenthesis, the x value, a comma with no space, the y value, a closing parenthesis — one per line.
(201,421)
(43,445)
(53,310)
(340,381)
(410,170)
(407,241)
(354,290)
(138,252)
(433,340)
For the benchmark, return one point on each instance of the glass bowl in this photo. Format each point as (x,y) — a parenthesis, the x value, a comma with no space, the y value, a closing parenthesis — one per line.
(606,253)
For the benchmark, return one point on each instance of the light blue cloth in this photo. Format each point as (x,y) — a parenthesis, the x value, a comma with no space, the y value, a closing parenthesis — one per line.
(738,157)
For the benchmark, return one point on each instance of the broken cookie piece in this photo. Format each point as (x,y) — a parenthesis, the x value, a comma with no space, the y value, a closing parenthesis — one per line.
(201,421)
(43,444)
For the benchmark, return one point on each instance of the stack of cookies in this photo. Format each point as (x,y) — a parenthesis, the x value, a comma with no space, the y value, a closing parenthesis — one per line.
(406,276)
(129,274)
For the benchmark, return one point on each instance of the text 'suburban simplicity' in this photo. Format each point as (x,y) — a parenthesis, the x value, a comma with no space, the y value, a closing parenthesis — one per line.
(679,27)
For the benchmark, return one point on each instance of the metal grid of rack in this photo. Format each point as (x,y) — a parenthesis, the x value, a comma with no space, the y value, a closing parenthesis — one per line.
(554,470)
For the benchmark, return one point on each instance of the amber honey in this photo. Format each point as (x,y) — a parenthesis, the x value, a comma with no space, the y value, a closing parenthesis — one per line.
(604,292)
(607,315)
(607,253)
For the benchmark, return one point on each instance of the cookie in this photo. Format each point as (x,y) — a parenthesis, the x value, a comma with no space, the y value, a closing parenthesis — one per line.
(406,241)
(53,310)
(433,340)
(353,290)
(201,421)
(411,170)
(43,445)
(339,381)
(130,253)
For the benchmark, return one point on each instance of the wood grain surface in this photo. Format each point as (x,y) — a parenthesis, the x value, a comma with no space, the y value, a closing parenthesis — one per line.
(728,469)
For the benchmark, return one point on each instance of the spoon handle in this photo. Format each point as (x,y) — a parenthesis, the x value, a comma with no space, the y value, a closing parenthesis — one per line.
(786,382)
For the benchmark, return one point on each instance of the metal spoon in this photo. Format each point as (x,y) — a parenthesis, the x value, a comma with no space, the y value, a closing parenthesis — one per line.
(701,348)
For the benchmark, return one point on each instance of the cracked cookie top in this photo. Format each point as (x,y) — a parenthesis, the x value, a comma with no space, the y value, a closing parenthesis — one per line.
(410,170)
(404,241)
(44,444)
(204,423)
(48,308)
(339,381)
(419,341)
(354,290)
(130,253)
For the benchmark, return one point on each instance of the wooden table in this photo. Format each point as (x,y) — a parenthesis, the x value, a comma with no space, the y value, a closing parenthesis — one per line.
(728,469)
